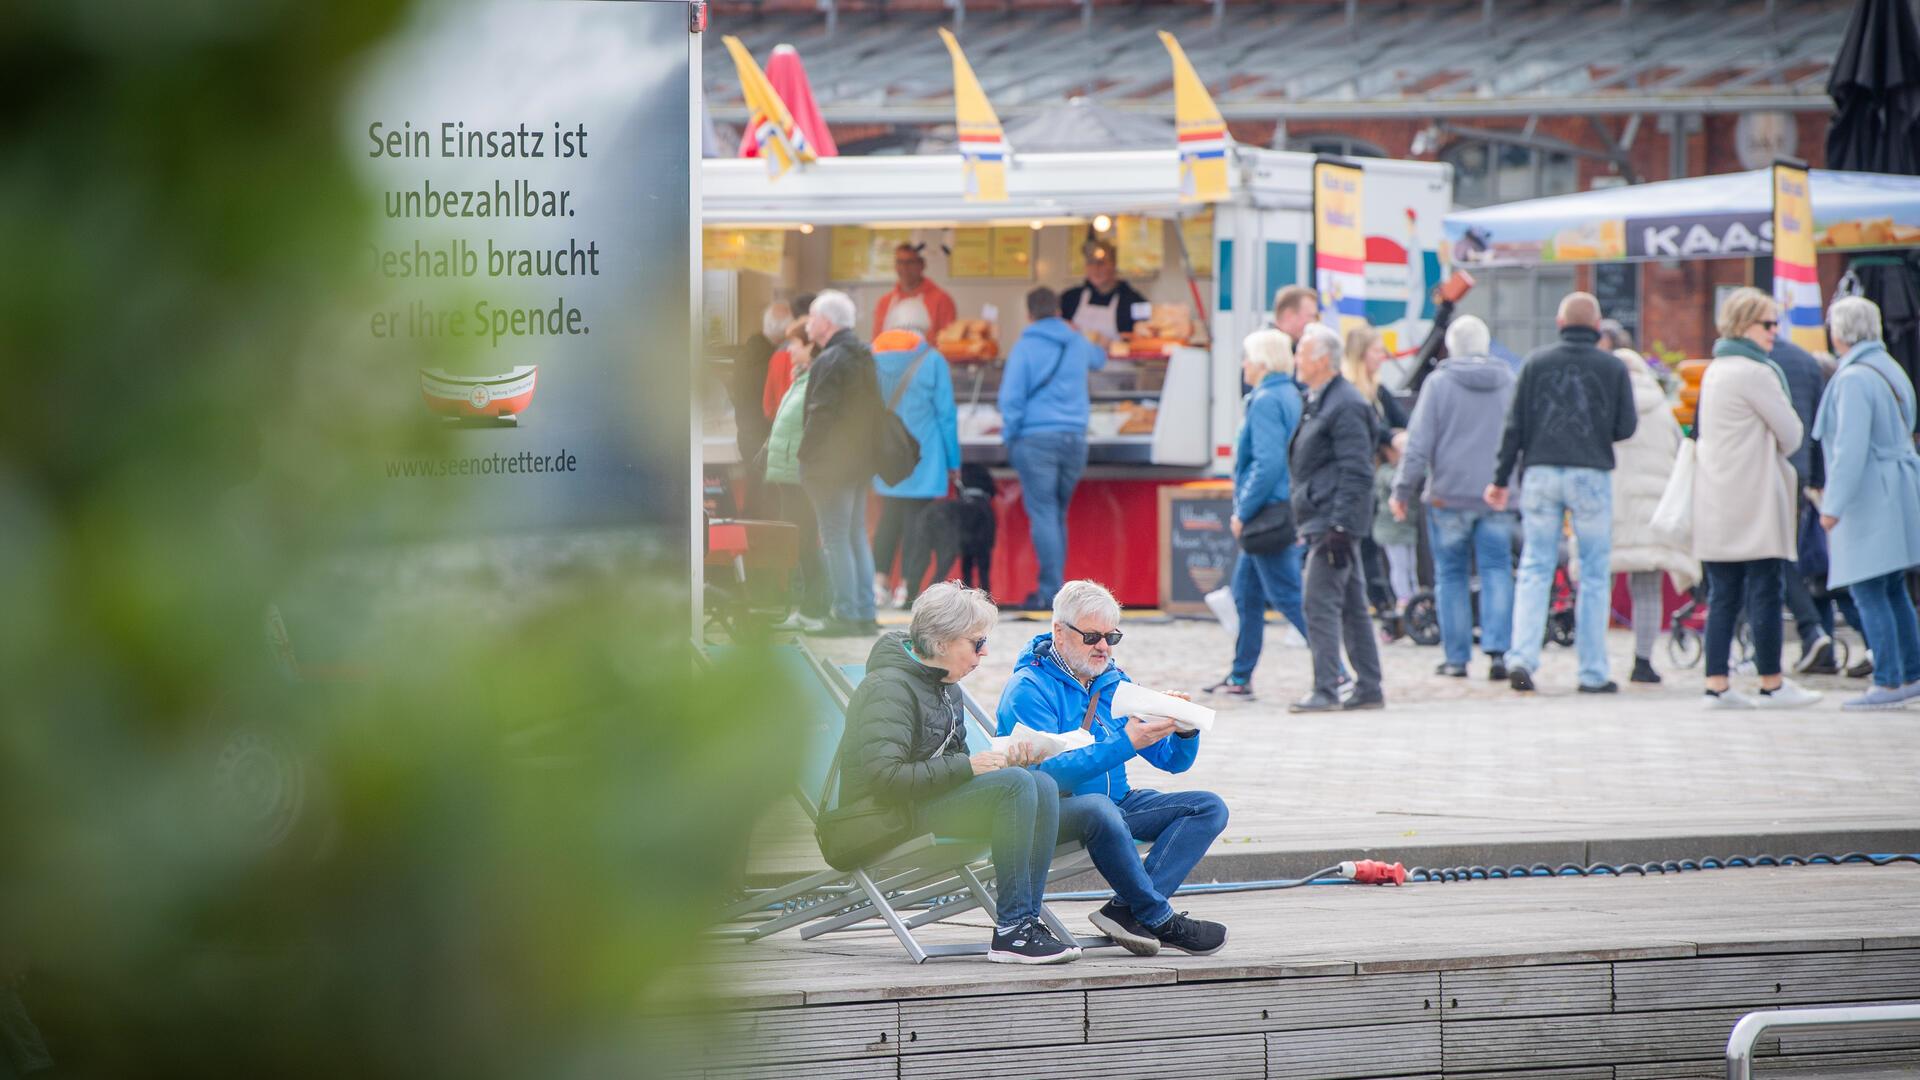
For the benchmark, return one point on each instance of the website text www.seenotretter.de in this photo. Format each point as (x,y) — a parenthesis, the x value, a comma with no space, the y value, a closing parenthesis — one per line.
(522,463)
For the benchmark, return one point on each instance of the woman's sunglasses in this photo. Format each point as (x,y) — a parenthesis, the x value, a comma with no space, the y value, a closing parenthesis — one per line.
(979,645)
(1767,324)
(1089,637)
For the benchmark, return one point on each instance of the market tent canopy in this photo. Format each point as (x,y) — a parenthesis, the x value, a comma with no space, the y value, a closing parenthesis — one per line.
(1701,217)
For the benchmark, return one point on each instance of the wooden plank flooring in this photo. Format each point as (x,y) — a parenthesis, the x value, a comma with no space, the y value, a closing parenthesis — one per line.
(1570,979)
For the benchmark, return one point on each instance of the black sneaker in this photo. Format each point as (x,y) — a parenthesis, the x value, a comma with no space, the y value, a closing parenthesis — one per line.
(1357,701)
(1520,680)
(1315,702)
(1862,669)
(1496,670)
(1608,687)
(1231,687)
(1817,658)
(1117,922)
(1195,937)
(1643,671)
(1451,671)
(1029,942)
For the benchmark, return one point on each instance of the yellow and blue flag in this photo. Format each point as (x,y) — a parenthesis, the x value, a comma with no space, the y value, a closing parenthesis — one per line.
(780,140)
(983,146)
(1796,276)
(1339,246)
(1202,133)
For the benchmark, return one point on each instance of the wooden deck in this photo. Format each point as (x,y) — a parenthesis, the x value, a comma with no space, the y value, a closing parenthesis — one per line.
(1570,979)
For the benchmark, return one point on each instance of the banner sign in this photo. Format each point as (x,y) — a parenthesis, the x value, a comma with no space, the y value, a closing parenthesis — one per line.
(1339,245)
(1796,277)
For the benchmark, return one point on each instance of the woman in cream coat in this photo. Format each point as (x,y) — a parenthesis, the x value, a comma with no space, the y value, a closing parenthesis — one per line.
(1743,498)
(1641,467)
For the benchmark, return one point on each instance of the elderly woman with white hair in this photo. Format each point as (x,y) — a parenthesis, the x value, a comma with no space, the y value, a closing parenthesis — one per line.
(1452,441)
(1743,499)
(1267,574)
(836,457)
(906,745)
(1871,503)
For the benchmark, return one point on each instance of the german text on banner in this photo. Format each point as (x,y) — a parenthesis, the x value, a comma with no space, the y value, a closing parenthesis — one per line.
(781,141)
(1796,278)
(1339,247)
(1201,131)
(983,146)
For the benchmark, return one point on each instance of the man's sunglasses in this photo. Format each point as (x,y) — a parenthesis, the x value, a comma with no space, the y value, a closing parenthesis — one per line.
(1089,637)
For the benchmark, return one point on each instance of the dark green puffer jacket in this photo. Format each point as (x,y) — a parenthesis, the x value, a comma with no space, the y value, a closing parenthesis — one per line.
(898,719)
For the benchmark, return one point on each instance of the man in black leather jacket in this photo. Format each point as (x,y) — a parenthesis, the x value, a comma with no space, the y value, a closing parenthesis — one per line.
(836,458)
(1332,470)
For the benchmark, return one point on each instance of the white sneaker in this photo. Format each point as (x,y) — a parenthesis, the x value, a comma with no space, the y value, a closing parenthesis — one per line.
(1790,695)
(900,596)
(1744,667)
(1292,638)
(1727,699)
(802,624)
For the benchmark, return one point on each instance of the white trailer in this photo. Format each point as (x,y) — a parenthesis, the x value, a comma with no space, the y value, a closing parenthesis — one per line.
(1260,241)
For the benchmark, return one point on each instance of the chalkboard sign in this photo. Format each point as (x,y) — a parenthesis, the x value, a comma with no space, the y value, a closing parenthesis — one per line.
(1617,287)
(1197,548)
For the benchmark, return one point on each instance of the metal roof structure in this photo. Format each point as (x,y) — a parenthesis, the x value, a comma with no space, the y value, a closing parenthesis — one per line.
(1320,59)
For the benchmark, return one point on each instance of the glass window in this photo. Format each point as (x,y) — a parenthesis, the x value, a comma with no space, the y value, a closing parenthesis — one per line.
(1517,304)
(1337,145)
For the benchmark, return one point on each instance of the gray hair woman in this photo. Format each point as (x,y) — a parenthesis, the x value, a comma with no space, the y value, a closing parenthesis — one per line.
(1871,505)
(1743,498)
(1261,479)
(906,744)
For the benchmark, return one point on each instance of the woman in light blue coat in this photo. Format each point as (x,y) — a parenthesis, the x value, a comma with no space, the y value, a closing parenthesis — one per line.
(1871,505)
(926,407)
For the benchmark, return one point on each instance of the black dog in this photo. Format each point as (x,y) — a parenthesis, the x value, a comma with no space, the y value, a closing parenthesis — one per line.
(950,529)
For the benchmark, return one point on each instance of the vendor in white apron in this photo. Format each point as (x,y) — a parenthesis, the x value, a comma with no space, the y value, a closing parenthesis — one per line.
(1103,307)
(915,303)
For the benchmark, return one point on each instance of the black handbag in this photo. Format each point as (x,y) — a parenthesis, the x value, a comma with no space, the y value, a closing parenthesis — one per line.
(897,452)
(1270,531)
(851,835)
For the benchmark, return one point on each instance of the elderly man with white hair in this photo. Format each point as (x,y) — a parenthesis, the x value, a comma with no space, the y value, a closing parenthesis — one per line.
(1332,472)
(1064,681)
(1448,462)
(1871,504)
(837,454)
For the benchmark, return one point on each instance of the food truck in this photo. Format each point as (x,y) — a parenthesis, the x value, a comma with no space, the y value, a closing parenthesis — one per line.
(1166,408)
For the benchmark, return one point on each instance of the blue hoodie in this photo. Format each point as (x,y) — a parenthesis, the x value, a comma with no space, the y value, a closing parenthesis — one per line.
(1035,395)
(1045,696)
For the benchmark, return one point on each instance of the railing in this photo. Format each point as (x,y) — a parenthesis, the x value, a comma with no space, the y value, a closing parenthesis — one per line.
(1859,1017)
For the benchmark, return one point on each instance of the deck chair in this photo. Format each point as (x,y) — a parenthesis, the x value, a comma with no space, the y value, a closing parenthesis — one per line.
(942,875)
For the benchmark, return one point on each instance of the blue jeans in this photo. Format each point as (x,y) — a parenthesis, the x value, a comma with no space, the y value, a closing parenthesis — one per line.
(1260,582)
(1548,493)
(1891,628)
(841,510)
(1181,825)
(1049,464)
(1461,539)
(1016,810)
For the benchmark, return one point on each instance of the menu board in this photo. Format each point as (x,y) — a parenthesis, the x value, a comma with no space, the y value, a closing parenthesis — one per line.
(759,250)
(1013,252)
(1196,231)
(971,255)
(1141,243)
(1197,548)
(864,255)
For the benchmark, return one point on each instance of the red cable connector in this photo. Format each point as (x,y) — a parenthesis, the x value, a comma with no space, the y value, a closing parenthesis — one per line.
(1371,872)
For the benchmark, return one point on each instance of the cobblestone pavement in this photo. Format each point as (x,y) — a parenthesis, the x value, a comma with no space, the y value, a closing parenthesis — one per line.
(1468,761)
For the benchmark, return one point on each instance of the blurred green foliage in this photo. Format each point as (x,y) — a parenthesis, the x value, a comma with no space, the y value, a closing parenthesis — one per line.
(475,833)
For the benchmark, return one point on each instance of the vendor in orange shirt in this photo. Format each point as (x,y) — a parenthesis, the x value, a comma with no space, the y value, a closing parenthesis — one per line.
(915,303)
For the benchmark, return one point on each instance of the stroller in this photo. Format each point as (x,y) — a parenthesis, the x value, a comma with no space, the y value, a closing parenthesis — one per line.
(1421,618)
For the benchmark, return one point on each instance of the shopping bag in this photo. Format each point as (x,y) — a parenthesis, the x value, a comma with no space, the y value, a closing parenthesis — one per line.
(1672,522)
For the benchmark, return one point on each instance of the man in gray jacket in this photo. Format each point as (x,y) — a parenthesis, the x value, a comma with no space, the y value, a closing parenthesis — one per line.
(1451,444)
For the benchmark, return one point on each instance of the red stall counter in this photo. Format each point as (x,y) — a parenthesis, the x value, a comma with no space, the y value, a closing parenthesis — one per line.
(1112,537)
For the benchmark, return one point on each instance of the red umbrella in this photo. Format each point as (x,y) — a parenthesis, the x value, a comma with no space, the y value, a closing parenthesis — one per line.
(789,79)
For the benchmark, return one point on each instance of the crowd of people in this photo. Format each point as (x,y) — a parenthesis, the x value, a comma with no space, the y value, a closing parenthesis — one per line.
(1569,463)
(1572,462)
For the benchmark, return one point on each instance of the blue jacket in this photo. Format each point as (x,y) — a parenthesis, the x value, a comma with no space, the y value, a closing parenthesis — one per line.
(927,408)
(1046,697)
(1260,456)
(1873,473)
(1036,396)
